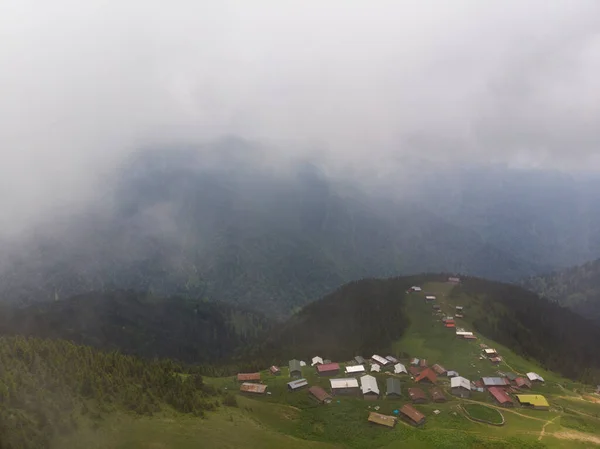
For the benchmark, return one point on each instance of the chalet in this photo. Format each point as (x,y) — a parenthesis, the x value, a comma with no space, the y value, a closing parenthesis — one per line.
(470,337)
(329,369)
(414,371)
(534,377)
(399,368)
(489,352)
(295,368)
(391,359)
(460,386)
(437,395)
(459,308)
(302,363)
(320,395)
(495,382)
(414,362)
(501,396)
(496,360)
(439,369)
(326,361)
(423,363)
(412,415)
(379,360)
(383,420)
(459,315)
(393,390)
(427,375)
(359,360)
(248,377)
(436,307)
(452,374)
(414,288)
(375,368)
(248,387)
(356,369)
(454,280)
(535,401)
(275,370)
(450,324)
(297,384)
(345,387)
(430,298)
(463,334)
(417,395)
(369,387)
(511,376)
(316,361)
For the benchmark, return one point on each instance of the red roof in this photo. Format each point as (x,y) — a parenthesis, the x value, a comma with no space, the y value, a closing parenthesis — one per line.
(414,370)
(242,377)
(500,395)
(427,374)
(470,337)
(522,382)
(450,324)
(328,367)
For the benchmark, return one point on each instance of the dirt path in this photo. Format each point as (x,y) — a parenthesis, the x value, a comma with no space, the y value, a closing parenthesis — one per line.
(543,431)
(574,435)
(505,409)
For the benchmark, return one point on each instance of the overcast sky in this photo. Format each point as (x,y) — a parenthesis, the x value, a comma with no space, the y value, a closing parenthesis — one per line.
(83,83)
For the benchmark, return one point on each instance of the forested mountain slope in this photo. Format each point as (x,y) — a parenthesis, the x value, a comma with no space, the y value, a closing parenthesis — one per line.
(176,328)
(577,288)
(232,229)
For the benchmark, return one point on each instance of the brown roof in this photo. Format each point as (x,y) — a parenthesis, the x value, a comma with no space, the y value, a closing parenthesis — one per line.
(427,374)
(416,393)
(522,382)
(439,369)
(384,420)
(242,377)
(414,370)
(412,413)
(500,395)
(470,337)
(253,388)
(423,363)
(319,393)
(328,367)
(274,369)
(437,394)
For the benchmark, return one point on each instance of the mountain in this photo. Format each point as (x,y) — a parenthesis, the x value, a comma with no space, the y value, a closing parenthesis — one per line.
(233,229)
(577,288)
(176,328)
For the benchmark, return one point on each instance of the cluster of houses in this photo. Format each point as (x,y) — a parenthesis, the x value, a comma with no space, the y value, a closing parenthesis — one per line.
(355,382)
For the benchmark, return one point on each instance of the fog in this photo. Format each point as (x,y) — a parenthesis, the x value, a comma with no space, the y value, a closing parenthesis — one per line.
(354,85)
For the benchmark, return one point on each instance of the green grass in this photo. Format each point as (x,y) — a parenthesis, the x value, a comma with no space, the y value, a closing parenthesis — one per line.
(484,413)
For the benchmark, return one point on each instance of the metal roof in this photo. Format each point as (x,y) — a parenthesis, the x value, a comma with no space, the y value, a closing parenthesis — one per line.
(391,359)
(500,395)
(360,360)
(463,333)
(439,369)
(248,387)
(375,368)
(460,382)
(302,363)
(348,382)
(328,367)
(379,359)
(319,393)
(416,289)
(412,413)
(384,420)
(429,297)
(295,365)
(355,369)
(489,351)
(368,384)
(392,386)
(414,361)
(248,376)
(316,360)
(494,381)
(536,400)
(400,368)
(428,374)
(295,384)
(437,394)
(535,376)
(416,393)
(452,373)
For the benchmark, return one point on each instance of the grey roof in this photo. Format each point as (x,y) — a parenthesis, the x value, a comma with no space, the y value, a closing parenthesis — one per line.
(295,384)
(360,360)
(493,381)
(295,365)
(393,386)
(368,384)
(391,358)
(511,376)
(460,382)
(451,374)
(326,362)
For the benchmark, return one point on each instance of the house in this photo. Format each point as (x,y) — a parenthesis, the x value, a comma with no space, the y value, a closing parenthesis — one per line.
(275,370)
(534,377)
(248,377)
(412,415)
(460,386)
(400,368)
(489,352)
(454,280)
(522,382)
(535,401)
(439,369)
(463,334)
(436,307)
(393,390)
(295,368)
(356,369)
(417,395)
(379,360)
(329,369)
(248,387)
(470,337)
(320,395)
(452,374)
(316,361)
(414,362)
(295,385)
(437,394)
(359,360)
(369,387)
(495,382)
(414,288)
(459,315)
(414,371)
(423,363)
(459,308)
(511,376)
(345,387)
(326,362)
(375,368)
(430,298)
(427,375)
(302,363)
(496,360)
(450,324)
(501,396)
(384,420)
(391,359)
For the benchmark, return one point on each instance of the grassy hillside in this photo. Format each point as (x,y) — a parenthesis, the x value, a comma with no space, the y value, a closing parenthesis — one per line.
(140,324)
(577,288)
